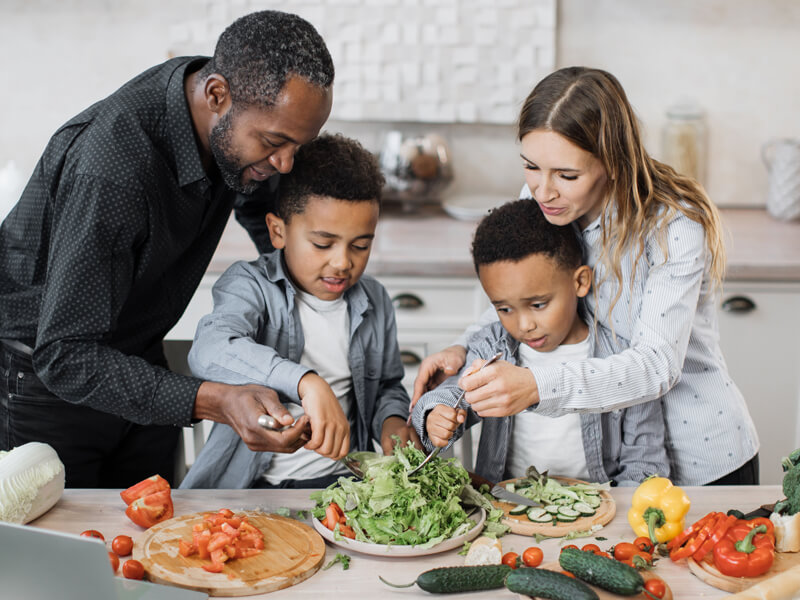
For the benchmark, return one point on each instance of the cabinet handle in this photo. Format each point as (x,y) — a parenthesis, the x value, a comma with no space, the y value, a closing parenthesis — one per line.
(405,301)
(738,304)
(410,358)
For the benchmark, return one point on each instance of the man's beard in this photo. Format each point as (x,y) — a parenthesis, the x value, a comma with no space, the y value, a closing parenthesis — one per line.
(229,167)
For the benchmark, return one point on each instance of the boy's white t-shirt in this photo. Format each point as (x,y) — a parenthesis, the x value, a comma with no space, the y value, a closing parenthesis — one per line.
(550,444)
(326,333)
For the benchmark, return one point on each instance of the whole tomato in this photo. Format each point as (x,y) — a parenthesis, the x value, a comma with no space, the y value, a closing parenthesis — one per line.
(133,569)
(532,557)
(122,545)
(94,534)
(644,544)
(114,559)
(510,559)
(655,587)
(625,550)
(591,548)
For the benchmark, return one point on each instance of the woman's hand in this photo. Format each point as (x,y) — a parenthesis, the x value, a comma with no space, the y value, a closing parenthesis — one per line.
(500,390)
(434,369)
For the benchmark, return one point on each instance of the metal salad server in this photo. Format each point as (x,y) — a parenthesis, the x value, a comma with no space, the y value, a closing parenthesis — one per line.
(436,450)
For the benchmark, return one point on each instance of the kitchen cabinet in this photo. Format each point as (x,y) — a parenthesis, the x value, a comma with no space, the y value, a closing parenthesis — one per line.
(760,340)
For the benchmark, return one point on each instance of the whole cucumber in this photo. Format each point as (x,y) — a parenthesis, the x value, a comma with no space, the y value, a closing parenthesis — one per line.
(607,573)
(542,583)
(449,580)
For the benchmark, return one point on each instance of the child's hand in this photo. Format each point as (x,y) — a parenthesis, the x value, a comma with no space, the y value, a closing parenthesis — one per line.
(500,390)
(330,429)
(442,422)
(397,426)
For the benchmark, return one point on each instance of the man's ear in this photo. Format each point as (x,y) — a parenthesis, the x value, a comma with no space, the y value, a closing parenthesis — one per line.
(277,230)
(583,280)
(218,94)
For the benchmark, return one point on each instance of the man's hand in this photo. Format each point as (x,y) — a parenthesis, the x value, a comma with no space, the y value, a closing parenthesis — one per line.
(397,426)
(442,422)
(434,369)
(500,390)
(330,429)
(240,406)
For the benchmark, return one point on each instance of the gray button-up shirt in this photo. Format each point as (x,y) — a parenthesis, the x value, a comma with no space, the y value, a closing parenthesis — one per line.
(254,335)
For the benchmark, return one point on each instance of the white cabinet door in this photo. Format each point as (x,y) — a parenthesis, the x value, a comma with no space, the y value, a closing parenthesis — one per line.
(760,338)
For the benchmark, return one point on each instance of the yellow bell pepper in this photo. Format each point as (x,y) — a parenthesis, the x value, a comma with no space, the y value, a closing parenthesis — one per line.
(657,509)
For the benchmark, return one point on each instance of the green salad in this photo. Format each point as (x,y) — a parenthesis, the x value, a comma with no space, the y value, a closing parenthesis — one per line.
(389,507)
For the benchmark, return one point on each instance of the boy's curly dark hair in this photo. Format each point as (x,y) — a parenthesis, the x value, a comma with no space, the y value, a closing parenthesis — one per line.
(331,165)
(518,229)
(258,52)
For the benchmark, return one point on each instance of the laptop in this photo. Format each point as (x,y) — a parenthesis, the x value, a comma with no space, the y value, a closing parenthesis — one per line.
(39,564)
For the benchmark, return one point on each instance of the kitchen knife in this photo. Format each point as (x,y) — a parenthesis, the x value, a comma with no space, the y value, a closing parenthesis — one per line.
(503,494)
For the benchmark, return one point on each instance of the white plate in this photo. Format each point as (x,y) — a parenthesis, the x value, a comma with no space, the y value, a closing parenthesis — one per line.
(473,207)
(388,550)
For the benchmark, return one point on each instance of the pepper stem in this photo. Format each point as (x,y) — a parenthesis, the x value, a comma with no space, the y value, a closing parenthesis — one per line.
(654,517)
(746,544)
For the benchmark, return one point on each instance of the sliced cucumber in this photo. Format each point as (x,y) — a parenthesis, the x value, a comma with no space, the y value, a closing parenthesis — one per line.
(519,509)
(510,487)
(552,508)
(593,501)
(584,509)
(569,512)
(565,519)
(563,501)
(539,515)
(590,492)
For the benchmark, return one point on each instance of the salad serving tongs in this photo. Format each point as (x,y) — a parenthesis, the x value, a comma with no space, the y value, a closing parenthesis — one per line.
(436,450)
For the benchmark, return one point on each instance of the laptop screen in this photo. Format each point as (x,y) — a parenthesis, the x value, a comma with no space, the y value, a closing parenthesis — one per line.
(39,564)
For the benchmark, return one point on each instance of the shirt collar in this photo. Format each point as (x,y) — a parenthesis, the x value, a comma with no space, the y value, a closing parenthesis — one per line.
(180,130)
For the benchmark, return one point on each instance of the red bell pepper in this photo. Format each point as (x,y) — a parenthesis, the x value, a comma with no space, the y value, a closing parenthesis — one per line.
(745,551)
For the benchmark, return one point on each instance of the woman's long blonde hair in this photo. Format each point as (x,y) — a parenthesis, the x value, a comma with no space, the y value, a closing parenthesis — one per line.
(590,108)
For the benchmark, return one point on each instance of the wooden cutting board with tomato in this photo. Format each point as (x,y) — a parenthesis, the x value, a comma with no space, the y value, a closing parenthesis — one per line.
(522,525)
(606,595)
(292,552)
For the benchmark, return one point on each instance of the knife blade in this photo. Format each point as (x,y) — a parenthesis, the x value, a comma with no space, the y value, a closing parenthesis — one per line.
(503,494)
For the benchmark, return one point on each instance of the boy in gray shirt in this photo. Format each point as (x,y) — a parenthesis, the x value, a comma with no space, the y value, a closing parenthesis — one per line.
(305,321)
(533,273)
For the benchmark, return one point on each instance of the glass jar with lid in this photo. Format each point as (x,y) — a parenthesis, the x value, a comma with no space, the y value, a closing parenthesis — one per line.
(684,140)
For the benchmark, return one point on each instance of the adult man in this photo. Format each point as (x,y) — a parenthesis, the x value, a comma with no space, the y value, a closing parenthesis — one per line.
(113,232)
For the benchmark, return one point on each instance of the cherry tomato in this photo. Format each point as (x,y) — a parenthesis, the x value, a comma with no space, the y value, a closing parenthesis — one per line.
(132,569)
(570,546)
(655,587)
(606,554)
(122,545)
(625,550)
(591,548)
(532,557)
(568,574)
(93,533)
(644,544)
(114,561)
(510,559)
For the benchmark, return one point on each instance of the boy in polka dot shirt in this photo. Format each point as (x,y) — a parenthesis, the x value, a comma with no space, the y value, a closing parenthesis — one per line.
(532,272)
(305,321)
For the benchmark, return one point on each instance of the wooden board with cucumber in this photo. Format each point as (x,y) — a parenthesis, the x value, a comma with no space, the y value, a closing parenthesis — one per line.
(571,505)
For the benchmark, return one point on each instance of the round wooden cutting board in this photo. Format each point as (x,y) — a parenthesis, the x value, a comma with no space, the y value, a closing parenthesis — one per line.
(292,553)
(707,572)
(606,595)
(521,525)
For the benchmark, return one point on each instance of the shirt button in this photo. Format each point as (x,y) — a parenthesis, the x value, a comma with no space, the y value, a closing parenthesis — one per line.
(20,375)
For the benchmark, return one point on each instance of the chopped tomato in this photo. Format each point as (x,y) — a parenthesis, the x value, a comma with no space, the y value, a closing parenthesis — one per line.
(186,548)
(214,567)
(133,569)
(223,536)
(151,485)
(122,545)
(93,533)
(150,509)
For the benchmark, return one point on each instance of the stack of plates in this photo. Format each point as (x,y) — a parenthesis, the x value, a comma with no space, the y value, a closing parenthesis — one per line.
(473,207)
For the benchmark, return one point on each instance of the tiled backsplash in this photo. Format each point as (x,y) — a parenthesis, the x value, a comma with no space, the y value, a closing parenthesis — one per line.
(467,61)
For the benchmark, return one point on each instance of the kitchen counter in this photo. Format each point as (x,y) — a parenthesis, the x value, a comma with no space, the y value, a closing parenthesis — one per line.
(103,510)
(431,243)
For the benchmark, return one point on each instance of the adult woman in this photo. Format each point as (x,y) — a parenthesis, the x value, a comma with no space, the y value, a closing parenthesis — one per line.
(653,238)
